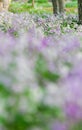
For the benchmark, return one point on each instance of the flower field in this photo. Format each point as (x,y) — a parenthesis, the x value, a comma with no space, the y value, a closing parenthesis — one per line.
(40,72)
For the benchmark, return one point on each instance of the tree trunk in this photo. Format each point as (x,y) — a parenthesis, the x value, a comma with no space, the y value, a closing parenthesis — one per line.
(58,6)
(6,4)
(55,6)
(80,11)
(61,6)
(32,3)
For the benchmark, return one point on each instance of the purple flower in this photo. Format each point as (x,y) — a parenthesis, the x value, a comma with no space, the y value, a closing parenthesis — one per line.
(60,126)
(73,111)
(71,44)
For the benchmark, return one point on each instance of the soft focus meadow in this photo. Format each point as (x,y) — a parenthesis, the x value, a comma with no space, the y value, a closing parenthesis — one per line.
(40,72)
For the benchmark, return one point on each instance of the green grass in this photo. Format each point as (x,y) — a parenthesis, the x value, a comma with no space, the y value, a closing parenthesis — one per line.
(17,7)
(71,4)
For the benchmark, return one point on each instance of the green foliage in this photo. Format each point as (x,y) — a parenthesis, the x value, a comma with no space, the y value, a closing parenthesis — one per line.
(74,0)
(78,126)
(39,1)
(71,4)
(42,71)
(32,120)
(42,1)
(39,117)
(41,6)
(17,7)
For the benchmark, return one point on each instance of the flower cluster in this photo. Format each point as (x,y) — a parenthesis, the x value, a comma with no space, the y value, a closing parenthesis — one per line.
(40,75)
